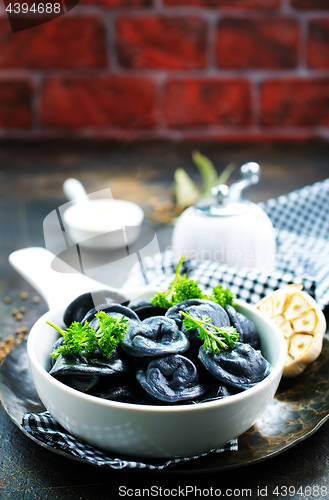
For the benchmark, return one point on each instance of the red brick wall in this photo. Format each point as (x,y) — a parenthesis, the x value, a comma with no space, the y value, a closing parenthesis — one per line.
(175,69)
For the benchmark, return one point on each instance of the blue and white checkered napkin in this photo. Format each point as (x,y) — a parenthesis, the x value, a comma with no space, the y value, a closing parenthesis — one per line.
(46,430)
(301,222)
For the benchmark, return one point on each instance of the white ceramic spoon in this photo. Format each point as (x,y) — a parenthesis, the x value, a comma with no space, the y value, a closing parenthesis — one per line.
(75,191)
(58,288)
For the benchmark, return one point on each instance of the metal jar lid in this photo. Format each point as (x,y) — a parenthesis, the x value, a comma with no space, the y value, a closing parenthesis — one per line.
(227,200)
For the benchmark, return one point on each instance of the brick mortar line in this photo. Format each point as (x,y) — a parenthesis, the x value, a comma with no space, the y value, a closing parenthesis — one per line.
(159,104)
(200,131)
(158,5)
(187,131)
(255,103)
(162,128)
(302,45)
(224,132)
(255,76)
(252,130)
(36,102)
(204,14)
(211,42)
(285,6)
(111,42)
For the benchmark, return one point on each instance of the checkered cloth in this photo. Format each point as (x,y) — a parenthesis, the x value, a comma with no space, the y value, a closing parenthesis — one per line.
(301,221)
(45,429)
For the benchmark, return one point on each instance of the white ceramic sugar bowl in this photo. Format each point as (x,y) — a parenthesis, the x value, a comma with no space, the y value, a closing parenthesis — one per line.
(227,228)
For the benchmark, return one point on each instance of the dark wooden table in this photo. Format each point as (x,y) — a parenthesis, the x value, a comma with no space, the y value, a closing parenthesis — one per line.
(31,177)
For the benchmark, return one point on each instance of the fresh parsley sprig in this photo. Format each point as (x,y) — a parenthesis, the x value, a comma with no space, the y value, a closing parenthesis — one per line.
(223,296)
(215,338)
(79,337)
(180,289)
(184,288)
(160,300)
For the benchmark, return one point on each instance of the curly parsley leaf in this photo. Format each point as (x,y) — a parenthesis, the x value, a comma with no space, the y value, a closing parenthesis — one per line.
(214,338)
(223,296)
(160,300)
(180,289)
(186,289)
(112,330)
(79,337)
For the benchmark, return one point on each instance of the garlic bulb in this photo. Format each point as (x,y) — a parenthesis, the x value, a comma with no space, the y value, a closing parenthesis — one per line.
(302,323)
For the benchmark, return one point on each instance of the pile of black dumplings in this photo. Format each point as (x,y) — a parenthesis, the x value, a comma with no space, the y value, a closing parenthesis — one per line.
(158,362)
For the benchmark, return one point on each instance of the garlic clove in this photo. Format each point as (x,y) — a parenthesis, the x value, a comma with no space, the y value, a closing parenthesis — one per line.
(305,323)
(279,320)
(266,306)
(299,344)
(287,329)
(279,300)
(297,306)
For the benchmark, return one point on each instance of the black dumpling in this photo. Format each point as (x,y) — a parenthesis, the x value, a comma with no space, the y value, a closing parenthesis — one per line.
(249,335)
(155,336)
(129,392)
(234,321)
(215,392)
(145,310)
(171,379)
(198,308)
(79,307)
(83,372)
(112,310)
(241,367)
(173,312)
(244,326)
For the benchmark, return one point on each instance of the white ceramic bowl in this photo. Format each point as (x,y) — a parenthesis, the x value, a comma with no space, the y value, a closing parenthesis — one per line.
(154,431)
(98,223)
